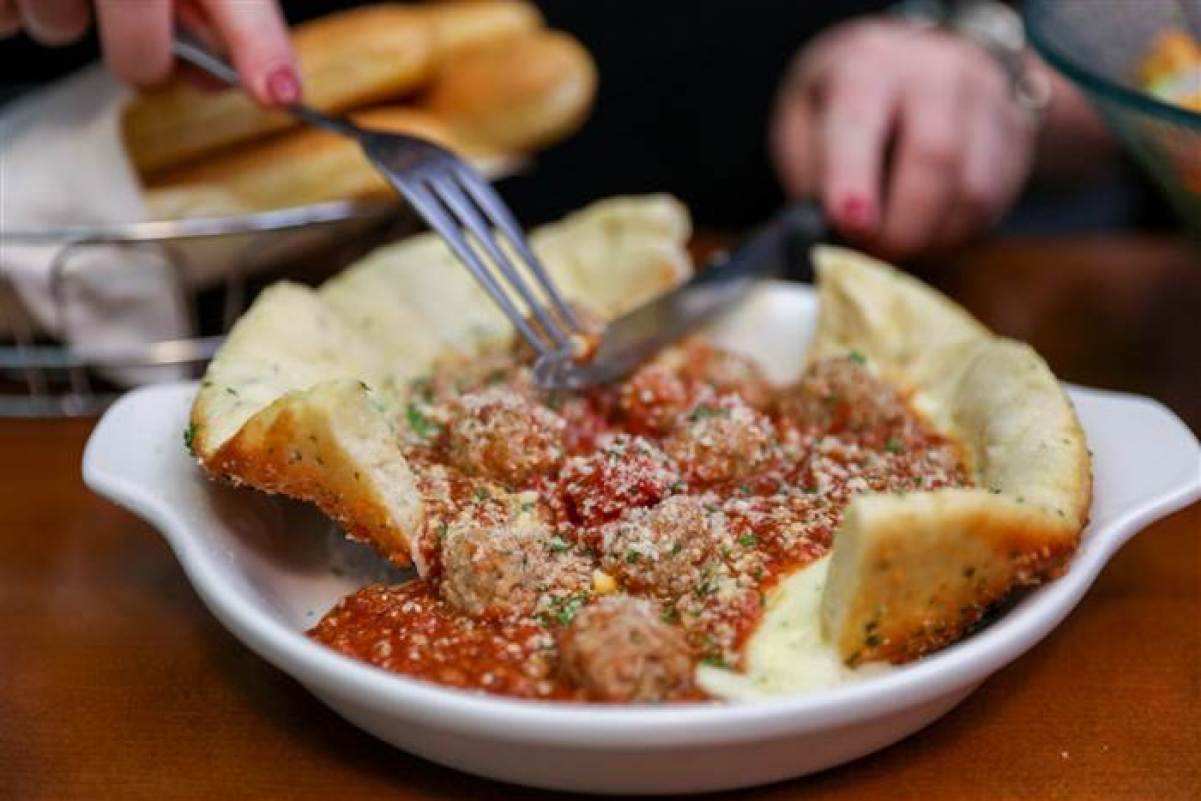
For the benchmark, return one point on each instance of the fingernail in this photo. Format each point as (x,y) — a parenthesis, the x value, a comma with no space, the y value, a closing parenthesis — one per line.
(283,86)
(857,213)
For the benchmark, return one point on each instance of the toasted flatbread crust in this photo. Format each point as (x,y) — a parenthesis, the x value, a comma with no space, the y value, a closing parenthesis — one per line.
(300,398)
(329,445)
(913,572)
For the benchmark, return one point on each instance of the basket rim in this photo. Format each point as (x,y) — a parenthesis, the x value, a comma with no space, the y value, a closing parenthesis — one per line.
(290,217)
(1034,10)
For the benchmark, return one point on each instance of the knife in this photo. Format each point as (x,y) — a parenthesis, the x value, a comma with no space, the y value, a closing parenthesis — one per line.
(778,248)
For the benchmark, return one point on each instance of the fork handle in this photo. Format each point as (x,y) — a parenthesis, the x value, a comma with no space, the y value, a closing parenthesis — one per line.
(187,47)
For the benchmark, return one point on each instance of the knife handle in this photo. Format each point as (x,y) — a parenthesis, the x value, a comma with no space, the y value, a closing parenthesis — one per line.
(806,222)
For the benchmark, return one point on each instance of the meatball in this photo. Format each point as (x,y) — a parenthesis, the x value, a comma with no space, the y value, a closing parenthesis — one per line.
(501,572)
(454,375)
(624,472)
(504,436)
(665,551)
(726,372)
(841,394)
(618,649)
(721,441)
(653,398)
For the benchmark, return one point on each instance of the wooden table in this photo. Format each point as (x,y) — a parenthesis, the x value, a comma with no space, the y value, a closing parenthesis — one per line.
(115,682)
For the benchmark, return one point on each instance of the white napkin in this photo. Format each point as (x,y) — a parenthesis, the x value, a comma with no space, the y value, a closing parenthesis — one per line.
(62,164)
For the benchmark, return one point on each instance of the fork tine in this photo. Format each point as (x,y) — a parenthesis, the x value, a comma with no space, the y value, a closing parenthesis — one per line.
(450,193)
(433,213)
(498,214)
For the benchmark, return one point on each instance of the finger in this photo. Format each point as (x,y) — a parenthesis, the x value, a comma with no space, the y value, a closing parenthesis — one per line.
(191,17)
(55,22)
(10,20)
(136,39)
(997,158)
(256,37)
(925,170)
(794,143)
(984,188)
(857,115)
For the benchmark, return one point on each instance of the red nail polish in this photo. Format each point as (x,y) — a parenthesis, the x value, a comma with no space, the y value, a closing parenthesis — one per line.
(283,87)
(857,213)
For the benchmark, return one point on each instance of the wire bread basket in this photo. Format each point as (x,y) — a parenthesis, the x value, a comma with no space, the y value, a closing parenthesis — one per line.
(39,378)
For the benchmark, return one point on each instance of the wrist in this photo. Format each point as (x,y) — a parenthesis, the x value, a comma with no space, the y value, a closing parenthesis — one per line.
(999,31)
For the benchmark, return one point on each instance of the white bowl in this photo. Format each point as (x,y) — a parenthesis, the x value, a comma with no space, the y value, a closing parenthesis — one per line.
(268,569)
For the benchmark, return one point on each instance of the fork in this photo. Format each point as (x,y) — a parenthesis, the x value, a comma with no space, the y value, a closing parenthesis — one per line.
(456,202)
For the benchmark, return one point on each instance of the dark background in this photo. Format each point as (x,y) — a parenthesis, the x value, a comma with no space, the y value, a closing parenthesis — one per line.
(685,95)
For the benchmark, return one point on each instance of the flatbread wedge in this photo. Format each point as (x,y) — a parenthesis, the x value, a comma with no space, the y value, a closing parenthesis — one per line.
(910,573)
(301,398)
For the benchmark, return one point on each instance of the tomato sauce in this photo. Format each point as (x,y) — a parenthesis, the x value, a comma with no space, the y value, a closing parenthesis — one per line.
(694,491)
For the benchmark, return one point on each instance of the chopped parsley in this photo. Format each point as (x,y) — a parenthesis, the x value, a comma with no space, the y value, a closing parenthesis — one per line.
(421,425)
(563,608)
(705,411)
(189,438)
(559,545)
(893,445)
(857,357)
(747,540)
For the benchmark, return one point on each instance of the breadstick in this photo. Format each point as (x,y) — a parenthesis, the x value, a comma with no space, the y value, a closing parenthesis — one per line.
(460,24)
(515,94)
(293,169)
(347,60)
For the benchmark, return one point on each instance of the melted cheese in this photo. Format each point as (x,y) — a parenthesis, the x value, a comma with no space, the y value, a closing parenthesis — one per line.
(787,654)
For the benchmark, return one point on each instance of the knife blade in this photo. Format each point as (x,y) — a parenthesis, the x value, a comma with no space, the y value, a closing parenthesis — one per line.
(775,249)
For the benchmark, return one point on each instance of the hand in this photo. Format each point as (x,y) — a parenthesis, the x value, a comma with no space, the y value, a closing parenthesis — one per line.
(932,111)
(136,37)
